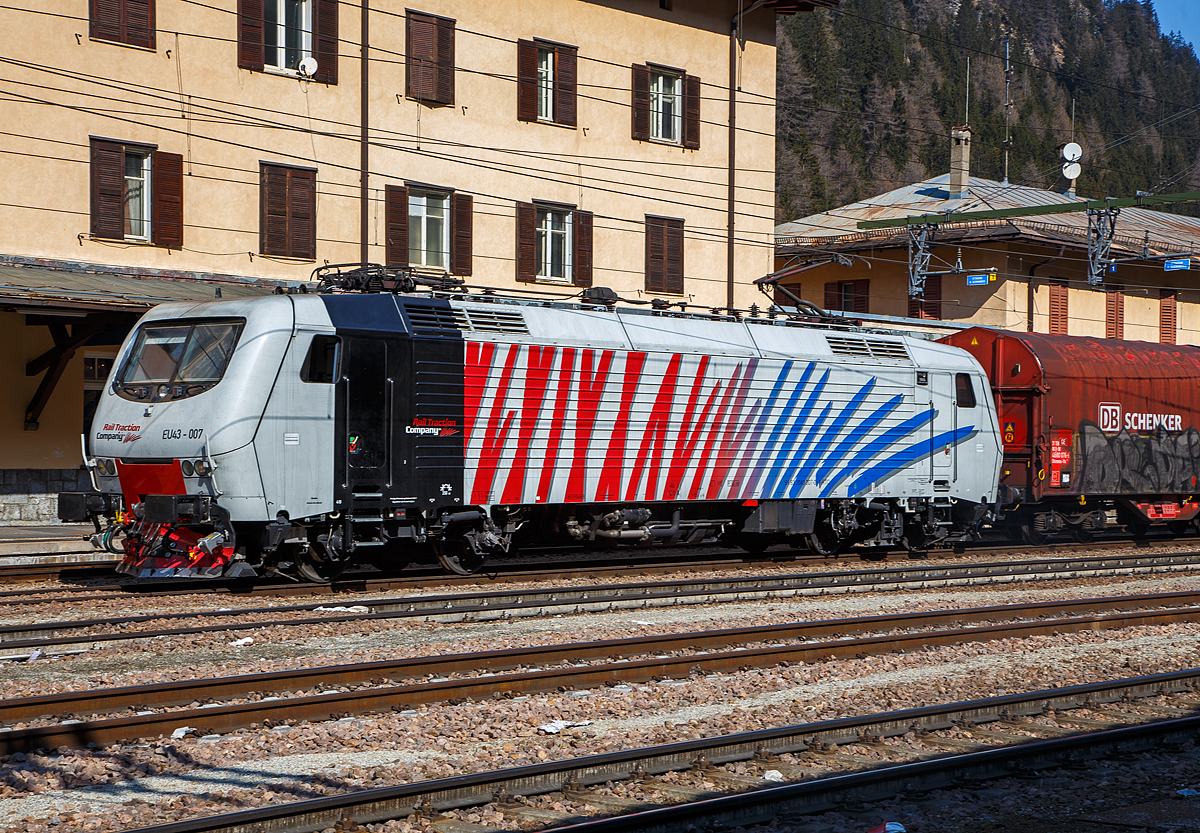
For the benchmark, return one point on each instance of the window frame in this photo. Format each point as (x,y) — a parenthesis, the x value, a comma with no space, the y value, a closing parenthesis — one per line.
(929,306)
(321,39)
(421,227)
(125,22)
(644,117)
(547,98)
(963,383)
(577,244)
(281,27)
(544,236)
(461,227)
(857,291)
(658,100)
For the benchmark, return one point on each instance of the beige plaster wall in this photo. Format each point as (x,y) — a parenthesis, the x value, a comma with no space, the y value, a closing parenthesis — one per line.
(188,96)
(56,442)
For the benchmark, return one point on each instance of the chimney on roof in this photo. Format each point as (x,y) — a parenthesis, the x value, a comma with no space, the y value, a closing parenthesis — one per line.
(960,161)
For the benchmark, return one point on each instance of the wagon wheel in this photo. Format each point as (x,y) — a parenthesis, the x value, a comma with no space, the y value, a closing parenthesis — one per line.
(915,538)
(1033,536)
(1179,528)
(458,556)
(1081,535)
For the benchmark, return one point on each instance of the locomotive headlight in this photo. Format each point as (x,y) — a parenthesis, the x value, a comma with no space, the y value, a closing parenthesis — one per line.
(107,467)
(163,392)
(201,468)
(188,468)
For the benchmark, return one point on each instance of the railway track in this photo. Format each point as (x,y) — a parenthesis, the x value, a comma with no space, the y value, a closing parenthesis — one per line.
(831,764)
(696,653)
(18,641)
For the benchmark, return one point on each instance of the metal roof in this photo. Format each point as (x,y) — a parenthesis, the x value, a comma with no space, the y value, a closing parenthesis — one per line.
(1168,233)
(26,288)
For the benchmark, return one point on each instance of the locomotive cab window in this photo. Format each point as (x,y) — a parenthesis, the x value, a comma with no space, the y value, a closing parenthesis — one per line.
(321,363)
(174,360)
(964,390)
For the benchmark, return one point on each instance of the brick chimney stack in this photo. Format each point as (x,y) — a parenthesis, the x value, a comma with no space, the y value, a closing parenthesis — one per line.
(960,161)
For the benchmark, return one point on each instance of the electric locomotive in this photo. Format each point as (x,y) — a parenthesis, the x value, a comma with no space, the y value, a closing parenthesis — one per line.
(300,433)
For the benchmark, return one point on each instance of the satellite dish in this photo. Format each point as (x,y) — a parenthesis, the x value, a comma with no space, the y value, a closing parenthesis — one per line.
(1071,170)
(1072,152)
(308,68)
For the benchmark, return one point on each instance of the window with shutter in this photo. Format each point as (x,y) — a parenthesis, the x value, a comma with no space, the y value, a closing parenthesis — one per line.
(930,305)
(129,22)
(279,34)
(288,211)
(429,62)
(136,193)
(664,255)
(546,82)
(666,106)
(1058,308)
(849,296)
(1114,312)
(1166,316)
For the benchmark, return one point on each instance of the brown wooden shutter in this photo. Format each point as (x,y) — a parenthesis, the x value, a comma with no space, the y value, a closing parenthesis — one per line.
(833,297)
(526,241)
(108,190)
(1166,316)
(691,111)
(565,61)
(930,305)
(444,89)
(105,19)
(325,40)
(1058,309)
(167,181)
(420,46)
(250,25)
(273,227)
(656,260)
(1114,312)
(395,209)
(581,274)
(139,23)
(527,65)
(674,252)
(861,296)
(641,102)
(462,206)
(302,214)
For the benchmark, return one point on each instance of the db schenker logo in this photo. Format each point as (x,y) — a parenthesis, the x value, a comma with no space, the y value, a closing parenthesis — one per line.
(1110,417)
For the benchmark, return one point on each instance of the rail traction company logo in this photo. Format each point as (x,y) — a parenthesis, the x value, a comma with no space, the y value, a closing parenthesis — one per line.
(121,433)
(1113,420)
(433,427)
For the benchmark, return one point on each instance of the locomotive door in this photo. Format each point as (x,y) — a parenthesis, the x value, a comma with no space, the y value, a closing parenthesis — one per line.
(941,388)
(366,402)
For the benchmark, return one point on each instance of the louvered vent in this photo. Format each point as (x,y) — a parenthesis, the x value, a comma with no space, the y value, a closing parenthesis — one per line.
(868,348)
(497,321)
(436,318)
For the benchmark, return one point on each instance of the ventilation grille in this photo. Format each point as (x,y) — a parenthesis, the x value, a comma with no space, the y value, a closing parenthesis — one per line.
(869,348)
(446,319)
(436,318)
(497,321)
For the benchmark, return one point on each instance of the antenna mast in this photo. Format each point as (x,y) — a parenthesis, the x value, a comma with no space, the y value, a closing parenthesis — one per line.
(1008,76)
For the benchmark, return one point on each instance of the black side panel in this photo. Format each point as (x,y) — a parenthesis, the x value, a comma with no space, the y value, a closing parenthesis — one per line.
(367,389)
(436,428)
(370,312)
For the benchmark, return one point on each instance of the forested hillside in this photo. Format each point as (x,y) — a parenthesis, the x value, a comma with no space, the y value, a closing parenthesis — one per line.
(868,94)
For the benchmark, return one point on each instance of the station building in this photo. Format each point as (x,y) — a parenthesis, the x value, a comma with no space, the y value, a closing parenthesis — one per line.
(162,150)
(1025,273)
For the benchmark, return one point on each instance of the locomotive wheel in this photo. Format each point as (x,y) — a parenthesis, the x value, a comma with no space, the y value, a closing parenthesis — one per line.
(915,539)
(457,556)
(317,570)
(1179,528)
(823,542)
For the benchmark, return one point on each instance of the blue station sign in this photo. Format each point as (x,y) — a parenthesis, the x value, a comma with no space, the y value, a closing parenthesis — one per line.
(1178,263)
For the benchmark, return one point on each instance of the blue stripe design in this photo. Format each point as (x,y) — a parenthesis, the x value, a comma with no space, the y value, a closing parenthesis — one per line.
(790,477)
(785,453)
(867,452)
(765,453)
(791,437)
(858,433)
(834,429)
(893,463)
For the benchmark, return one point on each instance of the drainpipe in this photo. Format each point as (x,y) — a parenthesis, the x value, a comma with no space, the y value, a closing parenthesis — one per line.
(735,39)
(364,193)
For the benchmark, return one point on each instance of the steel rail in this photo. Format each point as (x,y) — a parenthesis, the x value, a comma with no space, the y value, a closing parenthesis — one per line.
(339,703)
(507,604)
(376,805)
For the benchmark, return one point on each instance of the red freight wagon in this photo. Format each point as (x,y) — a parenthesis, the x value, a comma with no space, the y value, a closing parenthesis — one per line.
(1091,424)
